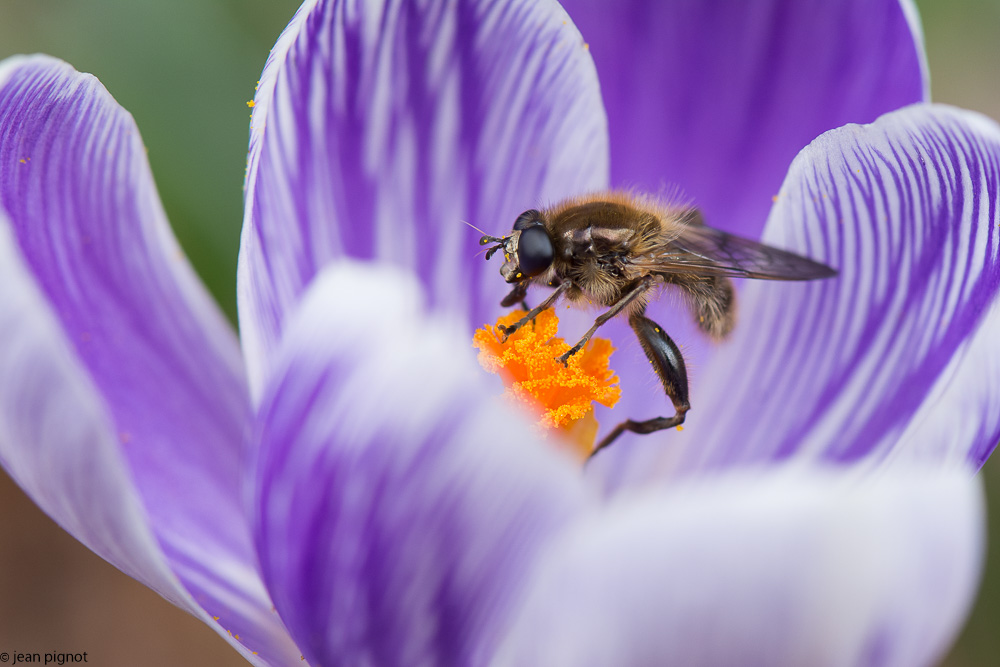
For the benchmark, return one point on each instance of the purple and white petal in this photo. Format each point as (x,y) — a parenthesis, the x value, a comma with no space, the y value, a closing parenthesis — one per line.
(950,428)
(57,440)
(715,99)
(379,127)
(399,501)
(86,217)
(784,567)
(893,356)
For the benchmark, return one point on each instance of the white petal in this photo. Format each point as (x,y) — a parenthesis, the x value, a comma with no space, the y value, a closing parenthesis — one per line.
(793,567)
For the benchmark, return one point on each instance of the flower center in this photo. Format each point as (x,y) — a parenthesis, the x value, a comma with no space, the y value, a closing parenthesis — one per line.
(560,396)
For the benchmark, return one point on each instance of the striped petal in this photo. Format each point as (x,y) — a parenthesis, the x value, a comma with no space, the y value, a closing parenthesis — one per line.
(73,468)
(399,504)
(716,98)
(164,363)
(710,102)
(378,127)
(763,569)
(893,358)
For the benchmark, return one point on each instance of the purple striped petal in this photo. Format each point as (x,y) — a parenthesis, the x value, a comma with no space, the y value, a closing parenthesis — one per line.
(716,97)
(399,502)
(73,468)
(85,214)
(895,357)
(796,567)
(379,127)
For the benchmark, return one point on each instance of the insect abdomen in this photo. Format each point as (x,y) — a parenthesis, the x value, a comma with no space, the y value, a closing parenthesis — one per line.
(714,305)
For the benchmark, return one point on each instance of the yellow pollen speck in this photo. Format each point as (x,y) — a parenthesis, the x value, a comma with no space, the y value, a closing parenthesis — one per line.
(251,104)
(680,427)
(586,46)
(215,618)
(774,198)
(561,396)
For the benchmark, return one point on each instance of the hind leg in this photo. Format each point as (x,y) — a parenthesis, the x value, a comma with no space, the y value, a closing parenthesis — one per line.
(668,363)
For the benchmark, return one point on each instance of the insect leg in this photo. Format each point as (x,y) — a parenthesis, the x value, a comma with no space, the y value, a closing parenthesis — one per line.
(668,363)
(517,294)
(631,296)
(533,313)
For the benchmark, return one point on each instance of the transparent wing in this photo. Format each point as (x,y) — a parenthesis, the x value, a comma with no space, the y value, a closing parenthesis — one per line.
(705,251)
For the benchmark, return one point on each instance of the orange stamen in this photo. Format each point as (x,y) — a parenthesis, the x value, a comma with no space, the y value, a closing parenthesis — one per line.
(560,396)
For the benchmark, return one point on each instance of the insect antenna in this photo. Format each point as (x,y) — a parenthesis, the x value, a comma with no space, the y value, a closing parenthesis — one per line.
(501,241)
(486,238)
(465,222)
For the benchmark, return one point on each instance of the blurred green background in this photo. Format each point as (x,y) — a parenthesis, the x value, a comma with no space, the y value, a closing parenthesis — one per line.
(185,69)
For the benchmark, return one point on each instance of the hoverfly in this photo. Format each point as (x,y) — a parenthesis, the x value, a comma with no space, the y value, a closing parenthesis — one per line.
(614,249)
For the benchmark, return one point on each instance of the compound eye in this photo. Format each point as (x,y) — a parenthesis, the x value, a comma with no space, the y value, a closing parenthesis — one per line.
(526,219)
(534,250)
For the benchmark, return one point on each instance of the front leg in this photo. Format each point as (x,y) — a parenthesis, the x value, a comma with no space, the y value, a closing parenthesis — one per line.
(637,291)
(533,313)
(517,294)
(668,363)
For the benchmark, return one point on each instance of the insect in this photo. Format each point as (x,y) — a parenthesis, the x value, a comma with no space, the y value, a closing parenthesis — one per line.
(614,250)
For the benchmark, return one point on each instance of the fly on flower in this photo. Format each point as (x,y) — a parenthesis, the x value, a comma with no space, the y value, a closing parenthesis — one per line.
(614,249)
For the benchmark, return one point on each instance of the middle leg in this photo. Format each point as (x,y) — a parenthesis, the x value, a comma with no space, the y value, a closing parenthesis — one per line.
(637,291)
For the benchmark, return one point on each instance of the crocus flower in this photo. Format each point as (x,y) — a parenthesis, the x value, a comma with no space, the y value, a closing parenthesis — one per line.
(350,488)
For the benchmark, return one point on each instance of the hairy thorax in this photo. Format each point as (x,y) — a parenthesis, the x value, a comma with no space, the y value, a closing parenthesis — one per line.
(593,247)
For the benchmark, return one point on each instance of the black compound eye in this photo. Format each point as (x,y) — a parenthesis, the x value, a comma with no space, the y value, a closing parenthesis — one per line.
(534,250)
(526,219)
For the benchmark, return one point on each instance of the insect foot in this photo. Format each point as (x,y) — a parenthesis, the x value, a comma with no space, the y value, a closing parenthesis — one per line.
(564,357)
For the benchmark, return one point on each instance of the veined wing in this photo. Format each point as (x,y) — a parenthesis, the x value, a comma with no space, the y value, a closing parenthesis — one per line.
(706,251)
